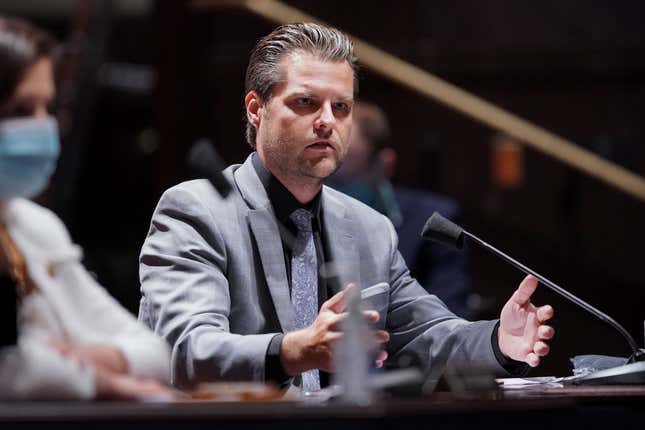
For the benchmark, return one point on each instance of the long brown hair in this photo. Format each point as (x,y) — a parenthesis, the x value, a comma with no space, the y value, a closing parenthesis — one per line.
(21,45)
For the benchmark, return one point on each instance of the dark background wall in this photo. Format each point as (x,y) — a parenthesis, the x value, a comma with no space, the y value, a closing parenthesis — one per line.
(170,75)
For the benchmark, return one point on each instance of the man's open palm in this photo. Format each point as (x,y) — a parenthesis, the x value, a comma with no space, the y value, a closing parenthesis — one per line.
(522,333)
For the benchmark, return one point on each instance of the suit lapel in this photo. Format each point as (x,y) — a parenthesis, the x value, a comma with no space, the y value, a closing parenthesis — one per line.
(344,258)
(264,228)
(267,237)
(339,229)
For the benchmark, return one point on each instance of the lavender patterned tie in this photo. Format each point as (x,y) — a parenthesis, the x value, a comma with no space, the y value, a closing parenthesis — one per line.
(304,284)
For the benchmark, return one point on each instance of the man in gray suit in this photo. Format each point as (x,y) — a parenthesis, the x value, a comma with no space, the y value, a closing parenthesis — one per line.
(243,289)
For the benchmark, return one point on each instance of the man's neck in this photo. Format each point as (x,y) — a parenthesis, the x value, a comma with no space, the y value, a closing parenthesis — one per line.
(303,188)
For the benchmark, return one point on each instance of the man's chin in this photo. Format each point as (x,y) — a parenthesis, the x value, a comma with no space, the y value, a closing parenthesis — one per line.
(321,169)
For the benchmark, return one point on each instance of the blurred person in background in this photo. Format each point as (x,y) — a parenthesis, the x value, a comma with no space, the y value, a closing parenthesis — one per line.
(365,175)
(65,337)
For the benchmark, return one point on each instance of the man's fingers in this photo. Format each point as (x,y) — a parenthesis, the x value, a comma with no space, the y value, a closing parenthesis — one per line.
(381,336)
(334,320)
(337,302)
(544,313)
(545,332)
(332,336)
(531,327)
(541,349)
(522,295)
(380,359)
(371,316)
(532,359)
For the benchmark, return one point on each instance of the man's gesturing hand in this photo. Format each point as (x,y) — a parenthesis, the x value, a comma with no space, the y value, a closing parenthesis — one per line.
(312,347)
(521,330)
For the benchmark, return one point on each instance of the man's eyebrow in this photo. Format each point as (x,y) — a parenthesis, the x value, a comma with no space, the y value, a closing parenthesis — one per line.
(301,93)
(348,99)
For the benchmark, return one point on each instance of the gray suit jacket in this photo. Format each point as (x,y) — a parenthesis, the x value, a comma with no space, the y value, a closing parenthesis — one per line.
(214,283)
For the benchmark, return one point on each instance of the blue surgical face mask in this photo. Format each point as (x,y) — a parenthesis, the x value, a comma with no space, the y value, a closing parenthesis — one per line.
(29,149)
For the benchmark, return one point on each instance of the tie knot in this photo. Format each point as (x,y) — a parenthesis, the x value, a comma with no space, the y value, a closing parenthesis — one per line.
(302,219)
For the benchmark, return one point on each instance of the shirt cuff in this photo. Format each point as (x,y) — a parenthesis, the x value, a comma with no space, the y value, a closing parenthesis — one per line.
(515,368)
(273,369)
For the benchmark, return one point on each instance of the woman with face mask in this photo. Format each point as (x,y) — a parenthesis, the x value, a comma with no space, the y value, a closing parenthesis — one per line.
(71,339)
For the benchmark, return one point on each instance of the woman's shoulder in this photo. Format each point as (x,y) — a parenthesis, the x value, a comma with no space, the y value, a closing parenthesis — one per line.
(28,221)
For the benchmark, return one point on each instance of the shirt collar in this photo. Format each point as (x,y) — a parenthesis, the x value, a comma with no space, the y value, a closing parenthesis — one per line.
(283,202)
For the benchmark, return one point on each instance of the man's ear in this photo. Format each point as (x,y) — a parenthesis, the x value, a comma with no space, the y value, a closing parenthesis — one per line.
(254,106)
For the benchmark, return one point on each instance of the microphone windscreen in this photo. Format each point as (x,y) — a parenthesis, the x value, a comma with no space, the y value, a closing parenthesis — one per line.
(444,231)
(204,163)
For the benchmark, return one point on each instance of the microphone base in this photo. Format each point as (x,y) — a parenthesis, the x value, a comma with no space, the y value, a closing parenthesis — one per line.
(629,374)
(637,356)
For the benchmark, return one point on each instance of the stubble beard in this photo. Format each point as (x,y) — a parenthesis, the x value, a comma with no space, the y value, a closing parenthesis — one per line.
(297,168)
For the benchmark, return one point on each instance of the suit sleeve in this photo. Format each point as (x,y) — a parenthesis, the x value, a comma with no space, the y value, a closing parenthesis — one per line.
(186,297)
(425,334)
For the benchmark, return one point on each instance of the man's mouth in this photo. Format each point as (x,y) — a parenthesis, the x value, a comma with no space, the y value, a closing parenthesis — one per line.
(320,145)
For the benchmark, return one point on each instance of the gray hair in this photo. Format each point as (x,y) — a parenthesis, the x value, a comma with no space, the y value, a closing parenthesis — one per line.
(264,72)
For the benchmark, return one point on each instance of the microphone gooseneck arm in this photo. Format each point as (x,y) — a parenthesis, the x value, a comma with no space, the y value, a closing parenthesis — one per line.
(637,354)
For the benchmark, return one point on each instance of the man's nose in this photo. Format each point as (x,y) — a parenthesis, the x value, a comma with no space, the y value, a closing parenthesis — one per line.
(325,121)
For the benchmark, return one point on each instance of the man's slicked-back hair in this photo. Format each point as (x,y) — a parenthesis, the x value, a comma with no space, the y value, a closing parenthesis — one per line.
(264,72)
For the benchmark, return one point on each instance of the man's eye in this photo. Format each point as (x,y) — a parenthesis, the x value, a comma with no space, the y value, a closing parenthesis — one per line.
(305,101)
(341,106)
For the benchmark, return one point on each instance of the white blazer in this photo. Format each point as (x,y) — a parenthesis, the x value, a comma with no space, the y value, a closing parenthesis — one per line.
(67,305)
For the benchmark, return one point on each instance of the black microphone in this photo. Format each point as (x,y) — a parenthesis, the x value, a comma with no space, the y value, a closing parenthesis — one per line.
(204,162)
(444,231)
